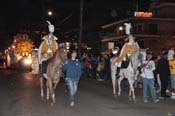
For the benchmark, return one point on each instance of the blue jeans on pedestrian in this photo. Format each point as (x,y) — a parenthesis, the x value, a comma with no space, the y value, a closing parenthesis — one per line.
(150,83)
(72,85)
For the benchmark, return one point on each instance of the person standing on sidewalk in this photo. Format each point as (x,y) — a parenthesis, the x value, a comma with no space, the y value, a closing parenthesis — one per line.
(73,72)
(172,69)
(163,70)
(148,78)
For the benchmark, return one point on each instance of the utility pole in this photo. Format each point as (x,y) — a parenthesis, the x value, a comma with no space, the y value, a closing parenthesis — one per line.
(43,18)
(80,28)
(137,5)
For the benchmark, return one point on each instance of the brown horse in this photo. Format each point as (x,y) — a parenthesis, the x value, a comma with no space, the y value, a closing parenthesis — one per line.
(54,72)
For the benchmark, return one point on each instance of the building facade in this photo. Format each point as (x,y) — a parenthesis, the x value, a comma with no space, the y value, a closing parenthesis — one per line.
(154,29)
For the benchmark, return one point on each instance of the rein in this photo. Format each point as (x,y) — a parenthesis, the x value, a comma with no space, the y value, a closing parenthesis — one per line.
(61,58)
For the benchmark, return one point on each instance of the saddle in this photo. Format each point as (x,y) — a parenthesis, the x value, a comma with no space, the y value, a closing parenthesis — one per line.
(43,67)
(125,63)
(46,51)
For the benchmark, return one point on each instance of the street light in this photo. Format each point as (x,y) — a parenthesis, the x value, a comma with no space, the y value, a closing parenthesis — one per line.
(13,46)
(120,28)
(50,13)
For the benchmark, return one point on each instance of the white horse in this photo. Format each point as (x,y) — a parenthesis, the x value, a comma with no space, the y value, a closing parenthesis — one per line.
(131,73)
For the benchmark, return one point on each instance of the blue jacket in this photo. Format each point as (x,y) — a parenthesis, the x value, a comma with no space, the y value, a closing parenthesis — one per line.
(72,69)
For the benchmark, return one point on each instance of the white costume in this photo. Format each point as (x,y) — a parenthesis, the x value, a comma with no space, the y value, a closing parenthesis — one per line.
(129,48)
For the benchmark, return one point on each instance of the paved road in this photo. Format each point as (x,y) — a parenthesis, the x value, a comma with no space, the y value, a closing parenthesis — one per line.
(19,96)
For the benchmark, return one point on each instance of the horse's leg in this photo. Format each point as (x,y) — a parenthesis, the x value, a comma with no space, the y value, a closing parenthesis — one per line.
(48,92)
(159,84)
(41,87)
(119,84)
(114,83)
(132,91)
(136,79)
(56,83)
(51,90)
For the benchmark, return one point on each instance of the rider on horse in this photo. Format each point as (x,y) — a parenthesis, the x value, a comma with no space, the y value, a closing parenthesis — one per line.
(129,48)
(47,48)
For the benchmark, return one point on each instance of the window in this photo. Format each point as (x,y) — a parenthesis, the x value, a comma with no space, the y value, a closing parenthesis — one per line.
(152,43)
(141,44)
(153,28)
(140,29)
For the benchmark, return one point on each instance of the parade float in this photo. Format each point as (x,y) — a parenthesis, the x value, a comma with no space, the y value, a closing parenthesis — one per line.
(19,54)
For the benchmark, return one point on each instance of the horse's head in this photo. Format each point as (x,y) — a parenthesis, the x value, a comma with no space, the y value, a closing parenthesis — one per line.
(142,55)
(62,53)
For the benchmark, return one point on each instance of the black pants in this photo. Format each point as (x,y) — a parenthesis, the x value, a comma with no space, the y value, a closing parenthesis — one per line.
(43,67)
(164,85)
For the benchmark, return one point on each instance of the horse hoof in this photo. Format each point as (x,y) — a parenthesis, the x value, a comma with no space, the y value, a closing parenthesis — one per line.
(52,104)
(47,98)
(66,91)
(119,94)
(115,96)
(42,97)
(54,101)
(130,99)
(158,91)
(134,100)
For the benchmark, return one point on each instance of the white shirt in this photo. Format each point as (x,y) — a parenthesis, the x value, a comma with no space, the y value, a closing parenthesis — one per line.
(170,54)
(147,71)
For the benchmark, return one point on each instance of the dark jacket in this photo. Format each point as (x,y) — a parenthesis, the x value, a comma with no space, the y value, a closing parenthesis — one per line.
(163,69)
(72,69)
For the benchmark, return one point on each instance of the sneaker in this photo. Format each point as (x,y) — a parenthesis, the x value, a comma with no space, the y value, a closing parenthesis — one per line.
(145,101)
(72,104)
(162,98)
(167,96)
(156,101)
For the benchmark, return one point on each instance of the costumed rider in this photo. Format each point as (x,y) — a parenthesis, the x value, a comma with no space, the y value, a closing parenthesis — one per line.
(128,49)
(47,48)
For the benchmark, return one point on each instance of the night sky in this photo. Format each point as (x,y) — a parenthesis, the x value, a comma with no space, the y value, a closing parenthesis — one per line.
(29,16)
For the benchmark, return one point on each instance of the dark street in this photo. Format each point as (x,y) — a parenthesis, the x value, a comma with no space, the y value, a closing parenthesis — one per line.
(20,96)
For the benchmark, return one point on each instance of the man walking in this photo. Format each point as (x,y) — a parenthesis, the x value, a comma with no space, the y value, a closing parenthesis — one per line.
(148,78)
(73,73)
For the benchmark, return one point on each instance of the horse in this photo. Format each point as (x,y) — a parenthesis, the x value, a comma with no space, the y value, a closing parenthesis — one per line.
(53,73)
(131,72)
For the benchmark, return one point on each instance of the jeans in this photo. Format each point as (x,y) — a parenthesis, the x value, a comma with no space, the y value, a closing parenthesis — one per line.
(72,85)
(150,83)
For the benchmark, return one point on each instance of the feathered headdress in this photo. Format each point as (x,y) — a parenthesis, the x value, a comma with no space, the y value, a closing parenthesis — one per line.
(50,26)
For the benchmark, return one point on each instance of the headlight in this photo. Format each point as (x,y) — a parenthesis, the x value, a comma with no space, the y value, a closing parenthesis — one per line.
(27,61)
(19,57)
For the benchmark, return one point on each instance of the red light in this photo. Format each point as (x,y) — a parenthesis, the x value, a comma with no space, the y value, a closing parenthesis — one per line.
(143,14)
